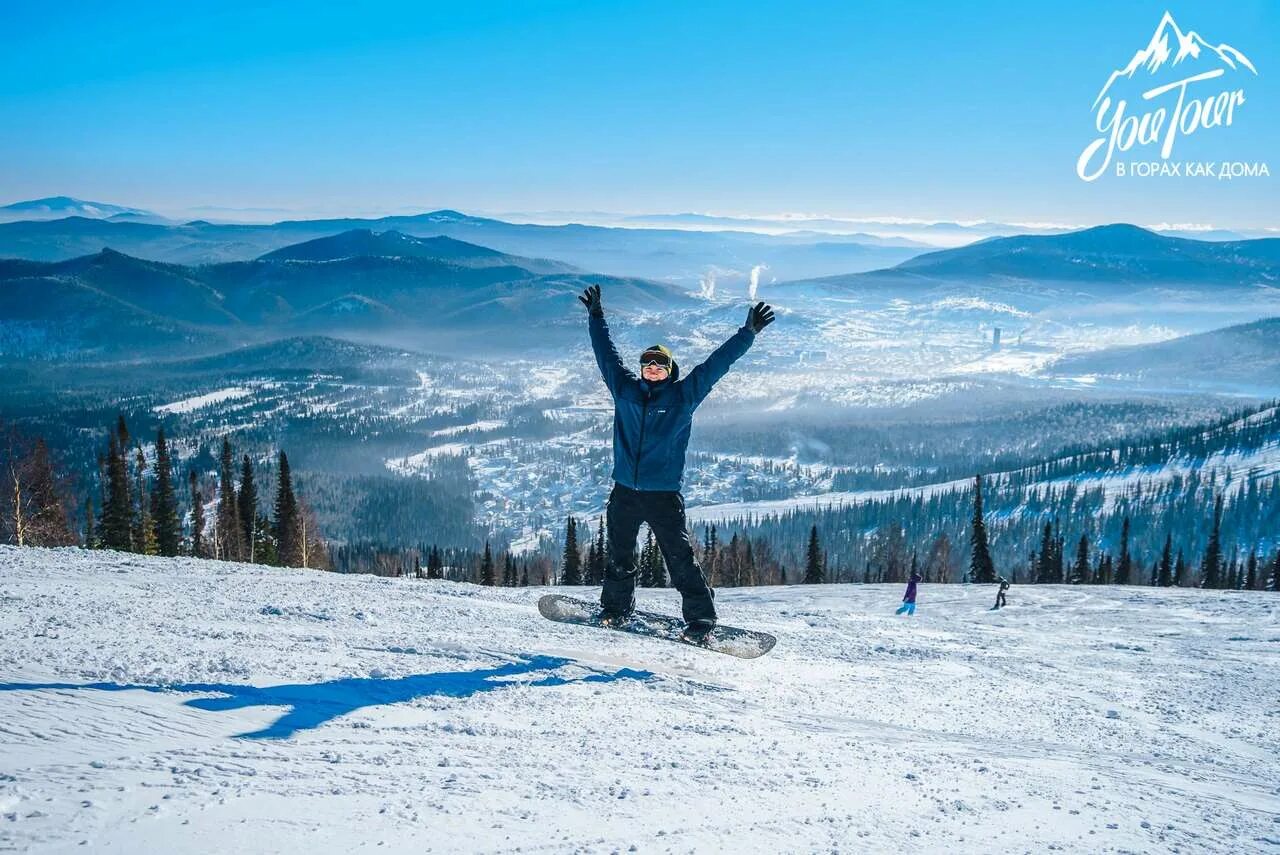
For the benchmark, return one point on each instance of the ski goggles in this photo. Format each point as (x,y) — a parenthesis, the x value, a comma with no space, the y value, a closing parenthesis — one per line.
(655,357)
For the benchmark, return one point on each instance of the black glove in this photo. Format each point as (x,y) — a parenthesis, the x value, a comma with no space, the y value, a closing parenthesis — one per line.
(759,317)
(591,299)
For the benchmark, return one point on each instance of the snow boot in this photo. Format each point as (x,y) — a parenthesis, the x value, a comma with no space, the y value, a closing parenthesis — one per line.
(612,618)
(696,631)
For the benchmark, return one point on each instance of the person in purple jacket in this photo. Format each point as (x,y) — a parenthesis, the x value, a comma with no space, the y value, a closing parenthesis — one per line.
(909,598)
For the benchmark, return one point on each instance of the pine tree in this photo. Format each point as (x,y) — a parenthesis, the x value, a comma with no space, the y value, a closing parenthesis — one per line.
(247,510)
(1251,579)
(1164,576)
(1124,569)
(265,538)
(1275,572)
(813,567)
(981,568)
(1059,569)
(1080,570)
(435,564)
(486,567)
(197,518)
(1211,566)
(657,564)
(711,555)
(1044,565)
(117,510)
(571,568)
(524,575)
(599,551)
(229,541)
(164,501)
(288,523)
(644,569)
(144,533)
(1179,571)
(122,433)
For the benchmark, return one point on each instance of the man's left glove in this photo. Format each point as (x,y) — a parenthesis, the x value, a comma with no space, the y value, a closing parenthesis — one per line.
(759,317)
(591,299)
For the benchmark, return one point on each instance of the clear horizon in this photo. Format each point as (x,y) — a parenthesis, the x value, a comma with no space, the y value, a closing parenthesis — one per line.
(766,223)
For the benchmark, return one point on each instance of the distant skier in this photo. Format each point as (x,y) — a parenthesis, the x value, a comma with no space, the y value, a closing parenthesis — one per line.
(652,417)
(909,598)
(1004,586)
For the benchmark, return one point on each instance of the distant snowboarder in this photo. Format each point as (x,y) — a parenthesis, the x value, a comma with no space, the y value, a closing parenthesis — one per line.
(1004,586)
(909,598)
(652,417)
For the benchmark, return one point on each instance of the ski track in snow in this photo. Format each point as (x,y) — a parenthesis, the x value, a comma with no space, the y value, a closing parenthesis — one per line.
(1078,719)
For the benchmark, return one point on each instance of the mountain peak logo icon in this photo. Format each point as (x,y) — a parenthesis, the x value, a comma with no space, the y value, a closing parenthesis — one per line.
(1169,44)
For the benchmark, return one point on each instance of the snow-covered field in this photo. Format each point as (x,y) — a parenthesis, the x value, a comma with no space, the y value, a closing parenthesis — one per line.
(170,705)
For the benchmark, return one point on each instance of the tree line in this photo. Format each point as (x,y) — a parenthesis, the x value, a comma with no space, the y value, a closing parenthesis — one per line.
(503,568)
(752,560)
(140,508)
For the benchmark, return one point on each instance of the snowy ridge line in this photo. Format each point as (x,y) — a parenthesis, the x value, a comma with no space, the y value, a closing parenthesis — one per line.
(1261,462)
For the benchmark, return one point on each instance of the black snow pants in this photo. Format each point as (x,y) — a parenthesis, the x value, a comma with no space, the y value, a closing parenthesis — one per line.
(663,510)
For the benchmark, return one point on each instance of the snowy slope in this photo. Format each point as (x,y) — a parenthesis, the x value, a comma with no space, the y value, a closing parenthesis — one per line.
(153,705)
(1235,467)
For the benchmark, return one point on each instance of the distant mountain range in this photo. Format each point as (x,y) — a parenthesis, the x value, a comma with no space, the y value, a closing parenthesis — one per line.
(673,255)
(57,207)
(359,282)
(1105,256)
(1237,358)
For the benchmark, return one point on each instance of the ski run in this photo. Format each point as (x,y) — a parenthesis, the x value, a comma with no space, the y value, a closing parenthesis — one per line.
(166,705)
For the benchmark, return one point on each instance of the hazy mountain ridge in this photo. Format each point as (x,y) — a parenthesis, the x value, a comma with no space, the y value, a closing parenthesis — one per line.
(1119,254)
(54,207)
(666,254)
(1234,356)
(343,283)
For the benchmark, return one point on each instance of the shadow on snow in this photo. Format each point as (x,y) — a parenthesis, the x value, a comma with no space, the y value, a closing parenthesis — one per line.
(313,704)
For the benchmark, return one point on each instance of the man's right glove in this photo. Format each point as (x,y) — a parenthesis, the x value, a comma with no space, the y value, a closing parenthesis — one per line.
(591,299)
(759,317)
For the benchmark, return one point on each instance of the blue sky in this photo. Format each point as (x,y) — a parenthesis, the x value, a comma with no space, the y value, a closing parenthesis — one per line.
(937,110)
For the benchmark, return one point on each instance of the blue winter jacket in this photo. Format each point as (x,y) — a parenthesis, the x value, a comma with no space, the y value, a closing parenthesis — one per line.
(651,421)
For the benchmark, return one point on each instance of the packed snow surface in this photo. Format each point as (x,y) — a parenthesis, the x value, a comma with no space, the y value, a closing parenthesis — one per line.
(178,705)
(190,405)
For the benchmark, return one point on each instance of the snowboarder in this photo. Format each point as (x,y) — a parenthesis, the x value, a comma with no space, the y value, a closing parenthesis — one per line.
(909,598)
(1004,586)
(652,417)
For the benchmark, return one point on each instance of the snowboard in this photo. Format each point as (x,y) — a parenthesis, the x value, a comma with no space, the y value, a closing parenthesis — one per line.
(743,643)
